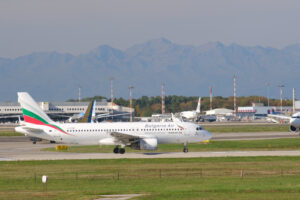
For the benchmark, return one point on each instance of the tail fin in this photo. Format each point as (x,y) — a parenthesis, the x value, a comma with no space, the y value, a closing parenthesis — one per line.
(32,112)
(89,114)
(94,111)
(198,106)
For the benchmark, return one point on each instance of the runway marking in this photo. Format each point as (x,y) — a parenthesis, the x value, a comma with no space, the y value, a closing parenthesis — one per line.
(6,159)
(119,196)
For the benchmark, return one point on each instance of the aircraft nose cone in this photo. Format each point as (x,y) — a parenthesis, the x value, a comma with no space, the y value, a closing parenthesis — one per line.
(293,122)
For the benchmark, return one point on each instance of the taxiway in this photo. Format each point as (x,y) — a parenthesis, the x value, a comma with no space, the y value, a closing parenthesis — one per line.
(20,148)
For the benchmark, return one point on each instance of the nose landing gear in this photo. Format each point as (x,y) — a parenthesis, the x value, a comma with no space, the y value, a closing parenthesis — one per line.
(185,149)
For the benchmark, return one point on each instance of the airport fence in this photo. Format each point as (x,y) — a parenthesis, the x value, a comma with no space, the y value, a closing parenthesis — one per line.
(127,174)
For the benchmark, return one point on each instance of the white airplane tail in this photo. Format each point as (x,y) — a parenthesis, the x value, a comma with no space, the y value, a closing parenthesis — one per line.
(93,112)
(175,119)
(32,112)
(198,110)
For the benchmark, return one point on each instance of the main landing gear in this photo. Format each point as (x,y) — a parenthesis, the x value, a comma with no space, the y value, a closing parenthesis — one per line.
(119,150)
(185,149)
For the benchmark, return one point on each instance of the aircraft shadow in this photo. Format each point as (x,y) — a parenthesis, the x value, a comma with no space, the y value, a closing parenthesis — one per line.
(156,153)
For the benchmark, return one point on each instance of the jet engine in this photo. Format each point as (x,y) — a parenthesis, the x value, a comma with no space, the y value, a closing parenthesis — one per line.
(145,144)
(107,141)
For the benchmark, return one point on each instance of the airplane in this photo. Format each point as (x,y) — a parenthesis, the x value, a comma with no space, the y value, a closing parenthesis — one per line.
(137,135)
(294,121)
(75,117)
(90,115)
(193,114)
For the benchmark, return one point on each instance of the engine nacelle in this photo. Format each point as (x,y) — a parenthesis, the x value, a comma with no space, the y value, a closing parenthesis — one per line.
(107,141)
(145,144)
(293,128)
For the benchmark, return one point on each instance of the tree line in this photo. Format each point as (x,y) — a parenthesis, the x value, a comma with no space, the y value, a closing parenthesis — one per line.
(146,106)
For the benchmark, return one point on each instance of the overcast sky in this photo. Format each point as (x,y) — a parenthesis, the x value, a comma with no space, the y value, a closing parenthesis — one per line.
(72,26)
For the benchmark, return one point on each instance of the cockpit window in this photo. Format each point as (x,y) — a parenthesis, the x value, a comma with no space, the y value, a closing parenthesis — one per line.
(199,128)
(295,117)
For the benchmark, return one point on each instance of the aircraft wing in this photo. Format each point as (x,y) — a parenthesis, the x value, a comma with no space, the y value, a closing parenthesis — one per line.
(126,138)
(280,117)
(110,115)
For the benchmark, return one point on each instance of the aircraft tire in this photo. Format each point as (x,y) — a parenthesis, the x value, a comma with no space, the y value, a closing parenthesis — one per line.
(122,151)
(185,150)
(116,150)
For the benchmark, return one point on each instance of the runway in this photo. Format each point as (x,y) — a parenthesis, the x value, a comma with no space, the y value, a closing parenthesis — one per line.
(20,148)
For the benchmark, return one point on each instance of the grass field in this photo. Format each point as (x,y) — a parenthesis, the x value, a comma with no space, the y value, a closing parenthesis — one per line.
(247,128)
(195,178)
(10,133)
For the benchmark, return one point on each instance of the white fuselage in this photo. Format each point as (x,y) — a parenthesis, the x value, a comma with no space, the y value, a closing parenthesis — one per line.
(92,134)
(189,114)
(295,120)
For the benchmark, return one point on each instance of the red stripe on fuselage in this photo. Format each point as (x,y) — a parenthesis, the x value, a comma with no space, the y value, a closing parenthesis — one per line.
(56,128)
(38,122)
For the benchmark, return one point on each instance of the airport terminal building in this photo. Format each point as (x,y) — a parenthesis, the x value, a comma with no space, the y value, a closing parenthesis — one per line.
(258,110)
(62,111)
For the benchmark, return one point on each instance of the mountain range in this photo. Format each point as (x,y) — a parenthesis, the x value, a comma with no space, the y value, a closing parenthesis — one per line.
(184,69)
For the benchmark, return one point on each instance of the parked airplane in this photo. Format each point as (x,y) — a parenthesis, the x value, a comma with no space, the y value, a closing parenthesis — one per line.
(294,121)
(193,114)
(90,115)
(137,135)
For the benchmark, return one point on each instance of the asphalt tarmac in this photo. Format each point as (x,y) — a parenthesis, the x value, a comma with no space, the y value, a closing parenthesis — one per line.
(21,148)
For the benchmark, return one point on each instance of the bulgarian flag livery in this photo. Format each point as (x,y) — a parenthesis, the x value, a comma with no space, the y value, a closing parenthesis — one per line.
(34,114)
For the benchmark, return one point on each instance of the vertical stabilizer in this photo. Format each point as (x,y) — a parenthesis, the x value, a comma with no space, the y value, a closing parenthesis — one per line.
(31,110)
(198,110)
(94,111)
(89,114)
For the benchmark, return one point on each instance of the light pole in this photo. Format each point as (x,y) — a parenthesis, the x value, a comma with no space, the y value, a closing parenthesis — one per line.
(281,88)
(130,101)
(268,93)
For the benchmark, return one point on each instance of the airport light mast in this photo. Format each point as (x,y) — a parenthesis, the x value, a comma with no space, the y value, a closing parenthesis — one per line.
(112,89)
(294,108)
(210,102)
(234,95)
(130,100)
(281,88)
(79,93)
(163,106)
(112,95)
(268,93)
